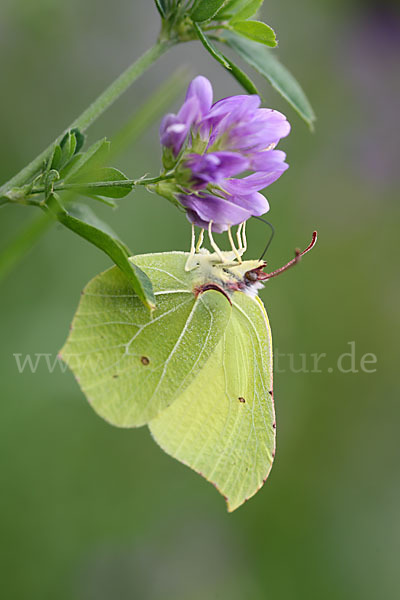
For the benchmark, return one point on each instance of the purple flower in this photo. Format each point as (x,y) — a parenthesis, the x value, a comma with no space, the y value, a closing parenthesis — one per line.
(223,140)
(214,167)
(174,129)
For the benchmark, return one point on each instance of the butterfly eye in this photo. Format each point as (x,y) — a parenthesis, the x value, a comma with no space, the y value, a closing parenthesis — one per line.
(251,276)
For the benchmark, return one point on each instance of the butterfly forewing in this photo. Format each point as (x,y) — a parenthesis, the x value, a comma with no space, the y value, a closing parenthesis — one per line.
(131,365)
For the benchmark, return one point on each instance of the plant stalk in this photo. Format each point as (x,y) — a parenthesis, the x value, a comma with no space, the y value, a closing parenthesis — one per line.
(93,112)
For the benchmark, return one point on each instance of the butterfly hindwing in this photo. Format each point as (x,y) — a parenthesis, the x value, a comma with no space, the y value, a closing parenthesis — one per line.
(223,424)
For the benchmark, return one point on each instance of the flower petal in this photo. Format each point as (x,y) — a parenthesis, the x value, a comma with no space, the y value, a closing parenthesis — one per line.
(215,167)
(221,211)
(201,88)
(240,105)
(255,203)
(248,185)
(173,133)
(194,218)
(270,161)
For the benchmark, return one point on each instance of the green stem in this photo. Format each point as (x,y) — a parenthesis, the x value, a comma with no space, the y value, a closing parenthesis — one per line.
(131,183)
(106,99)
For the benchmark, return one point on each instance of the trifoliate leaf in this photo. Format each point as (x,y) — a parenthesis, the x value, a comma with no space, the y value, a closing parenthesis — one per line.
(256,31)
(203,10)
(247,11)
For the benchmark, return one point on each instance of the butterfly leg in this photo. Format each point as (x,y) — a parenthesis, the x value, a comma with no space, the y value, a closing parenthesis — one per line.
(239,238)
(189,266)
(235,251)
(200,240)
(244,239)
(214,245)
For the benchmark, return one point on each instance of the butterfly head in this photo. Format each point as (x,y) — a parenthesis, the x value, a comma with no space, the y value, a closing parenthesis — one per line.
(222,271)
(230,276)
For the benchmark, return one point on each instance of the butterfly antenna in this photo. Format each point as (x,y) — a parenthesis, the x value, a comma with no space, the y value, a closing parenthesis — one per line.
(292,262)
(271,237)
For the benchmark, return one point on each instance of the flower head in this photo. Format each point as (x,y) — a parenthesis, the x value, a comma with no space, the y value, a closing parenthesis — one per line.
(174,129)
(209,145)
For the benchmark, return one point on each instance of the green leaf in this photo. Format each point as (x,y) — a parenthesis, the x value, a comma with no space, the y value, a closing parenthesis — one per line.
(248,10)
(238,74)
(55,161)
(230,8)
(160,7)
(109,174)
(80,138)
(209,46)
(66,151)
(86,214)
(94,157)
(67,169)
(110,245)
(256,31)
(203,10)
(264,61)
(242,78)
(131,365)
(106,201)
(68,147)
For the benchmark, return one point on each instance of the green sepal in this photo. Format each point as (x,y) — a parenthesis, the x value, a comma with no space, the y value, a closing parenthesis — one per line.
(168,190)
(169,160)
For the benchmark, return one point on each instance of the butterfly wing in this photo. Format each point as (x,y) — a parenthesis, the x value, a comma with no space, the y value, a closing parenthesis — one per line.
(130,364)
(223,424)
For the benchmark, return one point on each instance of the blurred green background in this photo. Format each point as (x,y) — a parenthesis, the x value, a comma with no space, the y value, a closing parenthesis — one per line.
(88,511)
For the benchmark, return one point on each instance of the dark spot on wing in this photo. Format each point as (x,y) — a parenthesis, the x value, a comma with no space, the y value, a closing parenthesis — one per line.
(115,376)
(145,360)
(241,399)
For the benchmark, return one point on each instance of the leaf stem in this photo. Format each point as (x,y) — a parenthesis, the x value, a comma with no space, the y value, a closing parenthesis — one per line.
(131,183)
(104,101)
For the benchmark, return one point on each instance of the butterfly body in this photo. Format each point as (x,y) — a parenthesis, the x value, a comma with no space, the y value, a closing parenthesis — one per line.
(230,276)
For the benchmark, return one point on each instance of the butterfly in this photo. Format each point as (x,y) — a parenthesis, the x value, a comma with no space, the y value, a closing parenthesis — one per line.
(198,371)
